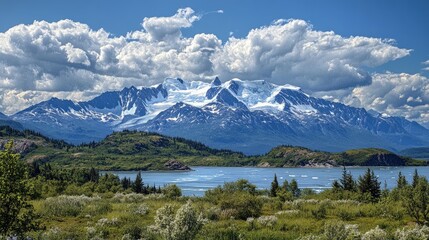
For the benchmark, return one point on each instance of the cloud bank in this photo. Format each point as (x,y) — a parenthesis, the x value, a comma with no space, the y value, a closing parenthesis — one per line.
(70,60)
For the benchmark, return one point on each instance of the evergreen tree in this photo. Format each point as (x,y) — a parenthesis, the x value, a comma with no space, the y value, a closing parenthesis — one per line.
(126,183)
(336,186)
(16,213)
(138,183)
(416,200)
(347,182)
(274,187)
(286,186)
(93,175)
(294,188)
(369,184)
(402,181)
(415,178)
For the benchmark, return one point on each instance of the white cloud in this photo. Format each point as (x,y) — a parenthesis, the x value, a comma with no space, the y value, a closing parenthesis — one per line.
(168,28)
(426,63)
(292,52)
(395,94)
(66,58)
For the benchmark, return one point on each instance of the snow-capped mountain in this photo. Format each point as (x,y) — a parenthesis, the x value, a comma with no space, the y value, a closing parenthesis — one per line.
(249,116)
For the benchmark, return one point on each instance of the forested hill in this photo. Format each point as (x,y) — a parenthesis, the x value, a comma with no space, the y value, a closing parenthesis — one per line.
(134,150)
(419,152)
(283,156)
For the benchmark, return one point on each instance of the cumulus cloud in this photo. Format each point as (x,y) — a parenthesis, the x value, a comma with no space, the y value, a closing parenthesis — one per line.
(168,28)
(291,51)
(396,94)
(67,59)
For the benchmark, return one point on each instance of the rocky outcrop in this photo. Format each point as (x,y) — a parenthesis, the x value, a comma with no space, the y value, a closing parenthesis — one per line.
(264,165)
(176,165)
(21,146)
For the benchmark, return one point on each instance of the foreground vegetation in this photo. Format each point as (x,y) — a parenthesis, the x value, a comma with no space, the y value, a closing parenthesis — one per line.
(133,150)
(43,202)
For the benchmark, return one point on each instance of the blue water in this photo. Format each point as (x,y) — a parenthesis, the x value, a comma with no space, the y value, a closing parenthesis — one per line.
(202,178)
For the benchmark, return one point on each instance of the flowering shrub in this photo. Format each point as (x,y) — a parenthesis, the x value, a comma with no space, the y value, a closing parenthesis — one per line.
(288,212)
(107,222)
(267,221)
(141,209)
(416,233)
(375,234)
(183,225)
(63,205)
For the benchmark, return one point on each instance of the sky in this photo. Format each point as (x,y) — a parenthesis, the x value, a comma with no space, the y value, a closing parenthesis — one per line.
(371,54)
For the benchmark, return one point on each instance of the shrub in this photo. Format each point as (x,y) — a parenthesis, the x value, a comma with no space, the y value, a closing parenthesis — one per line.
(63,206)
(320,212)
(375,234)
(268,221)
(185,224)
(107,222)
(416,233)
(338,230)
(345,215)
(245,204)
(128,198)
(94,209)
(213,213)
(141,209)
(172,191)
(227,214)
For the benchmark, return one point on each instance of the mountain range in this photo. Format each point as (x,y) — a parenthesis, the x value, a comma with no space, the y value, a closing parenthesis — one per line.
(247,116)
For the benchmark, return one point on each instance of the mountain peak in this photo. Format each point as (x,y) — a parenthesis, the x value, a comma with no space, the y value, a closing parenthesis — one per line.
(175,84)
(216,82)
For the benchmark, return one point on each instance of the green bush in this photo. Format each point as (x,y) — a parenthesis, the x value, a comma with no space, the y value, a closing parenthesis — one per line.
(172,191)
(245,204)
(63,205)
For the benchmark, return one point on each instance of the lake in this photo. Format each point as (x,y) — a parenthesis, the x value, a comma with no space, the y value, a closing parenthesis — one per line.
(202,178)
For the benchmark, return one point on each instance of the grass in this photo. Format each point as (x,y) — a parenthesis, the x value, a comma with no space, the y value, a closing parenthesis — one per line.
(111,218)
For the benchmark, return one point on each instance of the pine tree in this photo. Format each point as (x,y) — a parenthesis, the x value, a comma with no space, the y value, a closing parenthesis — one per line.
(415,178)
(416,200)
(402,181)
(347,182)
(285,186)
(274,187)
(126,183)
(294,188)
(336,186)
(368,183)
(93,175)
(138,183)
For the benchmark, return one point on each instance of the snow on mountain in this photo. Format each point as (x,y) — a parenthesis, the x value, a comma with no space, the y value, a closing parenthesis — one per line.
(250,116)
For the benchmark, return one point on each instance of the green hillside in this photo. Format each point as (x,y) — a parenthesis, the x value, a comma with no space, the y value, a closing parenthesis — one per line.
(283,156)
(419,152)
(133,150)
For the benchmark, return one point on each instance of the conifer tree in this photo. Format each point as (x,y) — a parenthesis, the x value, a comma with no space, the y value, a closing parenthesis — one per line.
(285,186)
(415,178)
(347,182)
(294,188)
(274,187)
(138,183)
(402,181)
(368,183)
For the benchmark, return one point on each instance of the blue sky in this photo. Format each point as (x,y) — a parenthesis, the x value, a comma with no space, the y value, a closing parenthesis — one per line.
(338,50)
